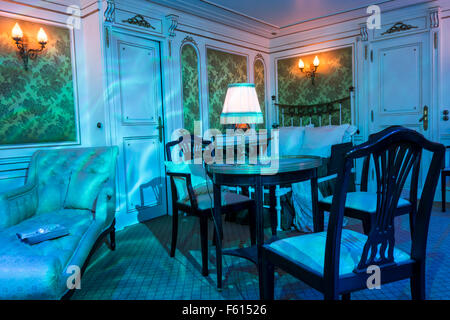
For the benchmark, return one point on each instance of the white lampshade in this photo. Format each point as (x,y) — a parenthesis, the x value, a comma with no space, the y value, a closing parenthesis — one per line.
(241,105)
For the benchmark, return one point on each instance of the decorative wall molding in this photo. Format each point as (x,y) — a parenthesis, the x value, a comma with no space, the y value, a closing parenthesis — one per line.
(434,18)
(364,32)
(258,56)
(399,27)
(110,10)
(173,20)
(140,21)
(190,40)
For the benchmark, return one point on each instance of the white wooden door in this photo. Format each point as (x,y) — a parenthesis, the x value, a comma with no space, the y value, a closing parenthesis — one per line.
(400,85)
(136,83)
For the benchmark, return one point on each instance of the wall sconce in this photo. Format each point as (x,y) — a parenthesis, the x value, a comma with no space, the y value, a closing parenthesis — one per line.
(25,53)
(311,74)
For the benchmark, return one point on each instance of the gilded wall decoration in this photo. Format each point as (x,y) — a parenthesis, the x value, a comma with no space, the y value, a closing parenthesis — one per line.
(191,89)
(260,85)
(223,69)
(334,78)
(38,105)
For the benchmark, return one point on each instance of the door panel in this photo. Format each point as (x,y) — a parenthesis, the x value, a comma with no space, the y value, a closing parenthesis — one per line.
(400,80)
(138,67)
(400,86)
(143,178)
(136,72)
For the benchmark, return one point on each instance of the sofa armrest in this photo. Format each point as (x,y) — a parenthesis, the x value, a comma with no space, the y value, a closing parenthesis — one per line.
(18,205)
(105,207)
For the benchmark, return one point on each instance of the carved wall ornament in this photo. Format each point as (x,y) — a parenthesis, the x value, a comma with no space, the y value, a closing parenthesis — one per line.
(189,39)
(434,18)
(363,32)
(259,56)
(399,27)
(173,19)
(140,21)
(110,9)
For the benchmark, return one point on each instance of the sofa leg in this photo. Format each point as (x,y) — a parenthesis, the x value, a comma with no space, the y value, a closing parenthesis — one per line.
(112,238)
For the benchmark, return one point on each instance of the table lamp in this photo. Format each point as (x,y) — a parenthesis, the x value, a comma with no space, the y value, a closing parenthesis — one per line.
(241,106)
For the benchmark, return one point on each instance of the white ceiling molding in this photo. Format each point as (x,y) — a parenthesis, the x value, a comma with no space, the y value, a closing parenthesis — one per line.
(241,15)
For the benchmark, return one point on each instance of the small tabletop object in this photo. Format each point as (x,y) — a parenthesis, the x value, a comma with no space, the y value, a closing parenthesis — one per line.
(268,172)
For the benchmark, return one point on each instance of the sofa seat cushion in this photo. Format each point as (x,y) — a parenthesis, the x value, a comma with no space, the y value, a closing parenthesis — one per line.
(35,272)
(309,250)
(206,201)
(364,201)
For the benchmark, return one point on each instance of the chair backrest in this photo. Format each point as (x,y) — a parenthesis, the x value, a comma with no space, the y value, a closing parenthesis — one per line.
(338,152)
(188,147)
(414,174)
(395,152)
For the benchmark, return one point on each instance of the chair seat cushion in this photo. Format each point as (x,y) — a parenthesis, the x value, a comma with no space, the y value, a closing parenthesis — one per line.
(364,201)
(309,250)
(36,271)
(206,201)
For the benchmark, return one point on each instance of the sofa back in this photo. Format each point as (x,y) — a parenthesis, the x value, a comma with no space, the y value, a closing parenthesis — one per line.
(72,174)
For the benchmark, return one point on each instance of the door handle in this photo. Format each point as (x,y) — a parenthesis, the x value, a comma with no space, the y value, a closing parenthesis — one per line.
(160,128)
(424,118)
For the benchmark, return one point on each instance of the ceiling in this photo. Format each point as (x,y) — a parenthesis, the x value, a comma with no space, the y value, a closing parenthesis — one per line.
(276,18)
(284,13)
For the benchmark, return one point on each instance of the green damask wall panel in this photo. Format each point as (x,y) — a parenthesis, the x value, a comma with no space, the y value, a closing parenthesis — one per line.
(260,85)
(335,77)
(191,89)
(223,69)
(36,106)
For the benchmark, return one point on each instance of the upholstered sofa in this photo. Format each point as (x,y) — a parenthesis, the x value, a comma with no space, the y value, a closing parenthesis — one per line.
(74,188)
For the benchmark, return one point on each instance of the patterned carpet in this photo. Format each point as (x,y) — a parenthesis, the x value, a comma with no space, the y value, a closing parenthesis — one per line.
(141,268)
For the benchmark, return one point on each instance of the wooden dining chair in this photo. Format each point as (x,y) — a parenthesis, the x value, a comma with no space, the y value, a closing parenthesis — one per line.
(361,205)
(198,199)
(338,262)
(445,173)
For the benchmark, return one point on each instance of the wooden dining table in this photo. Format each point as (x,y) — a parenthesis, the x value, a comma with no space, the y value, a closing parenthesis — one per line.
(279,171)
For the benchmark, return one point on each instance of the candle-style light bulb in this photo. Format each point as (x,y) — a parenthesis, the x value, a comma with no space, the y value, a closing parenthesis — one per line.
(316,61)
(301,64)
(42,36)
(17,32)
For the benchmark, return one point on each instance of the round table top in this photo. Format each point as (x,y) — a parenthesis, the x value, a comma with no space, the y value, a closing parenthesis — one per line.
(270,167)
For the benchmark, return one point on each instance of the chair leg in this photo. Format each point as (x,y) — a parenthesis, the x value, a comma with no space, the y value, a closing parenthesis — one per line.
(173,245)
(443,190)
(320,222)
(366,226)
(418,282)
(346,297)
(112,238)
(273,210)
(267,281)
(412,220)
(331,296)
(204,243)
(252,223)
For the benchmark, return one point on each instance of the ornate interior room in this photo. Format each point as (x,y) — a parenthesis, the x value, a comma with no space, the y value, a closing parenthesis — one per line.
(224,149)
